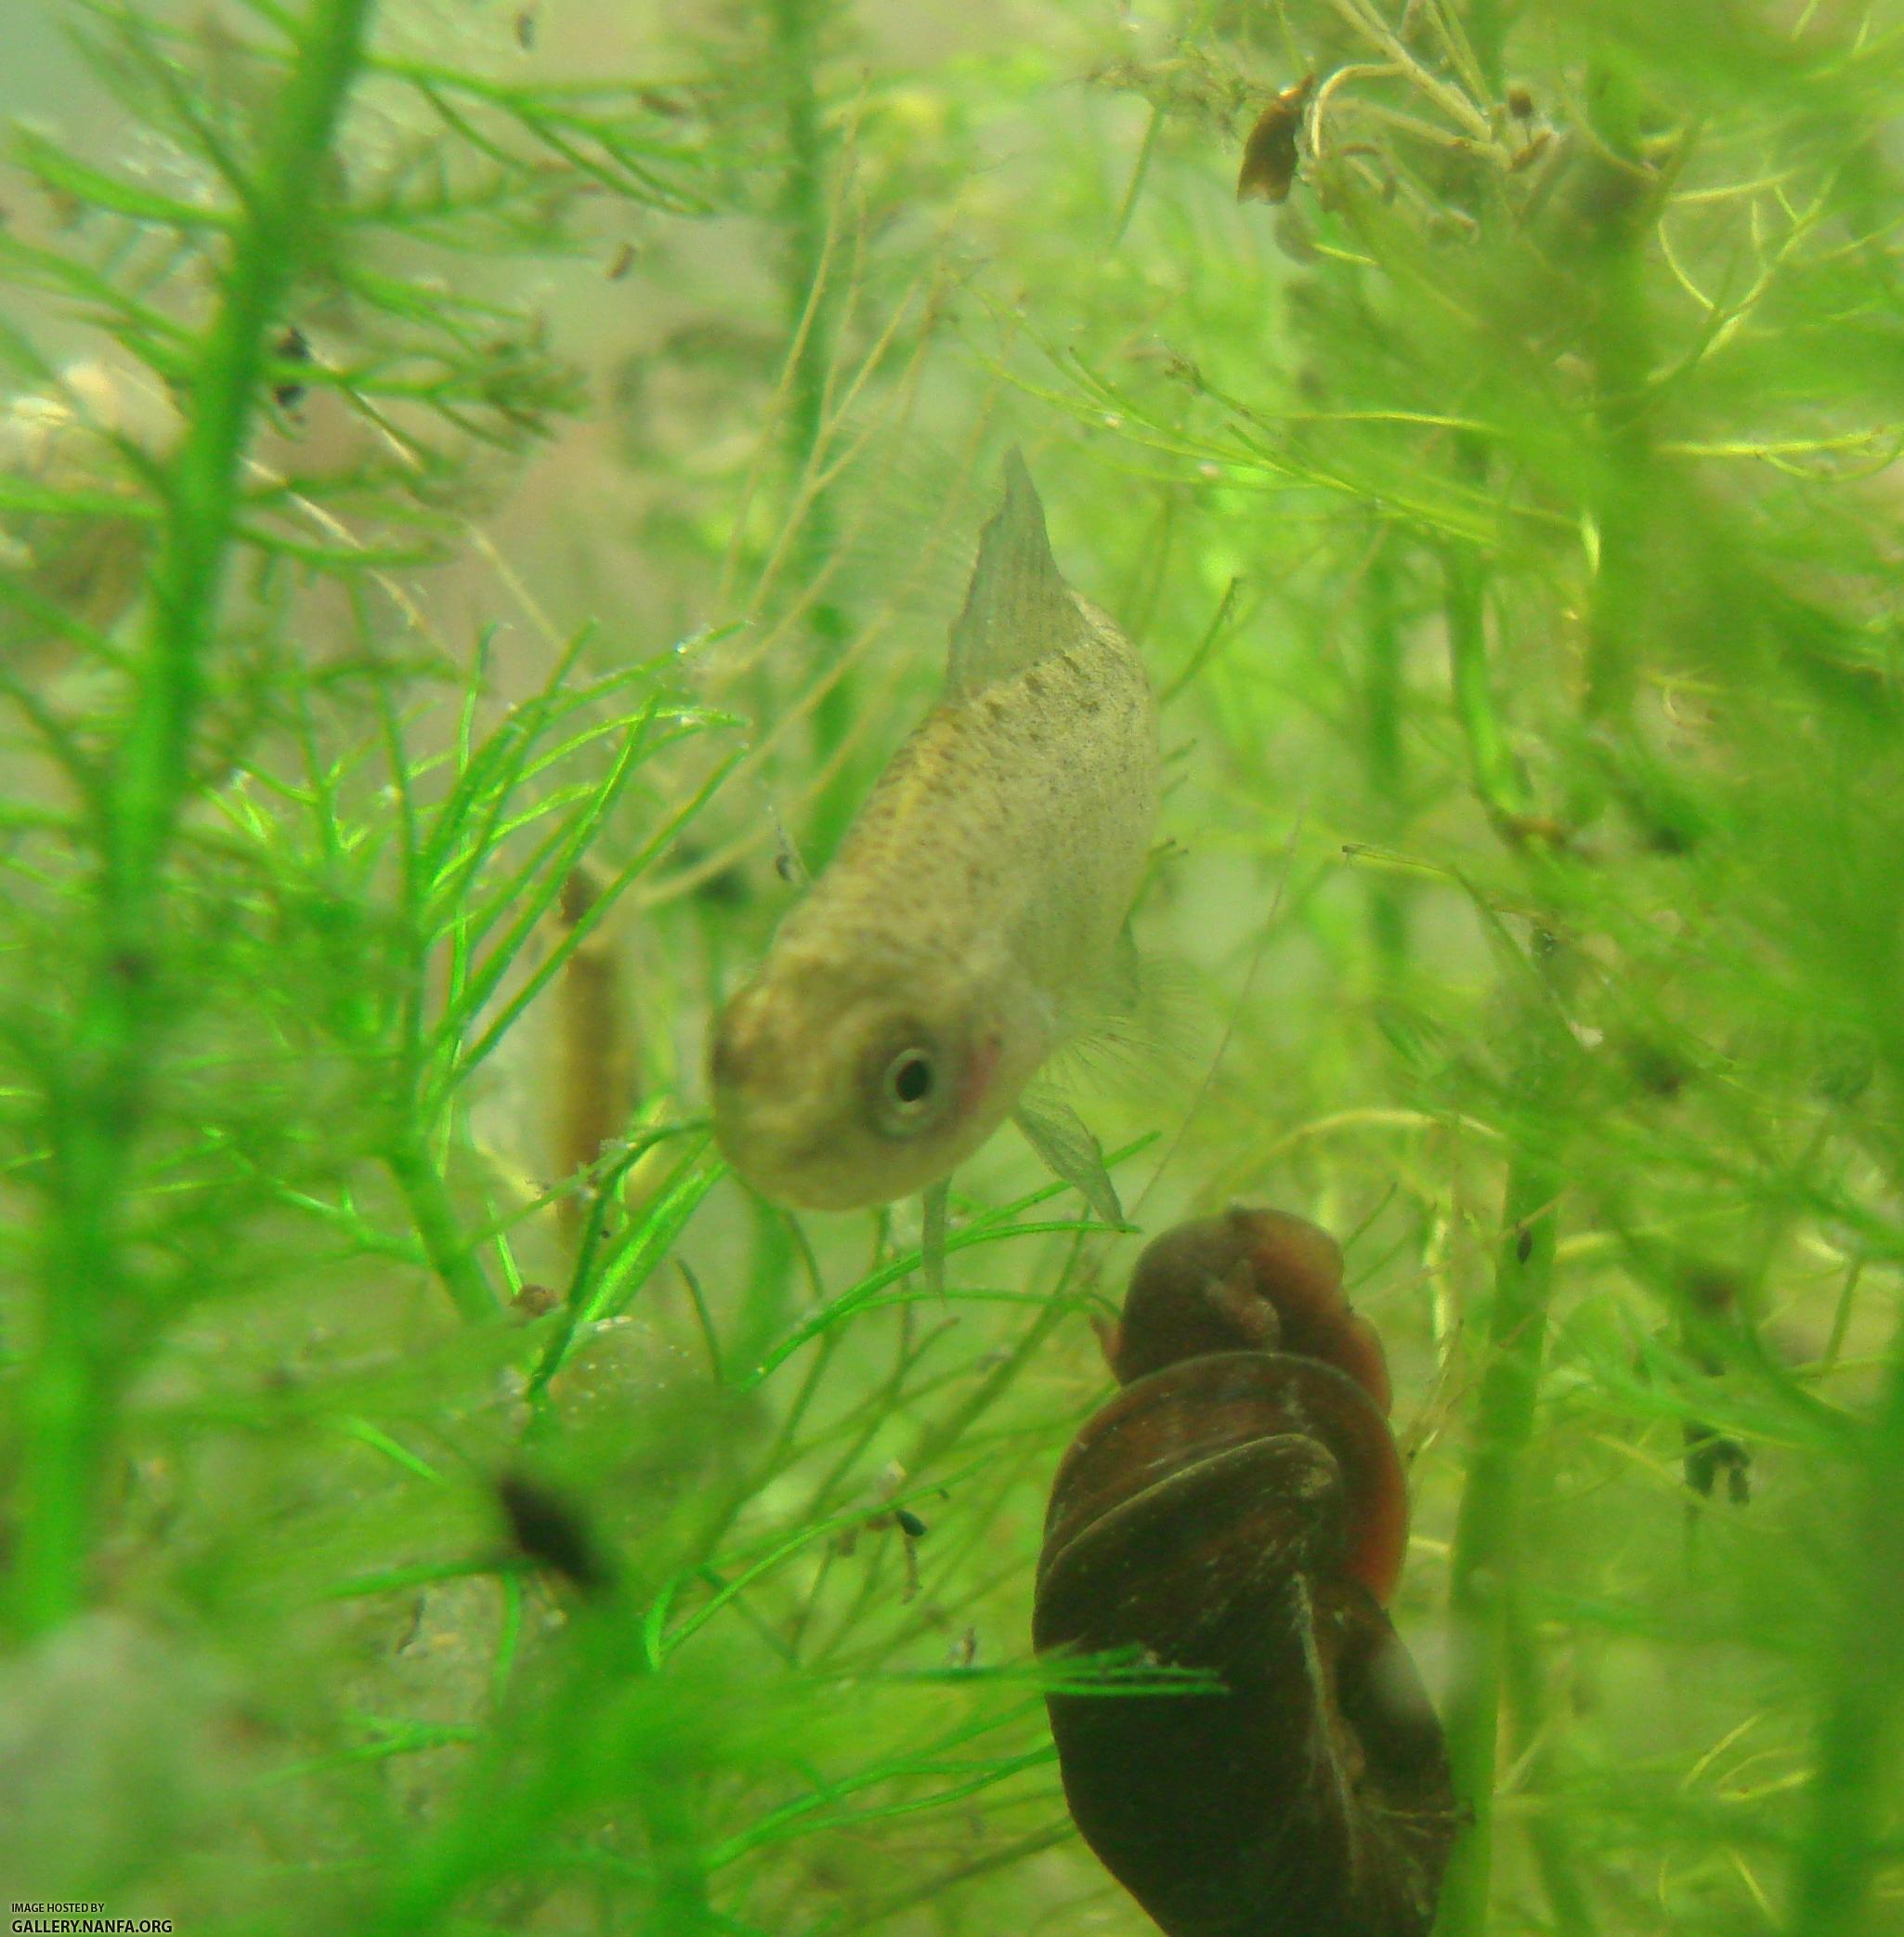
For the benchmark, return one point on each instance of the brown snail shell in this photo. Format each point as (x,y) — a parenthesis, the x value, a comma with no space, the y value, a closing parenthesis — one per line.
(1242,1511)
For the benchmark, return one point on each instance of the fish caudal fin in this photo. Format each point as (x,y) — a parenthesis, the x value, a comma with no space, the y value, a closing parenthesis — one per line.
(1018,608)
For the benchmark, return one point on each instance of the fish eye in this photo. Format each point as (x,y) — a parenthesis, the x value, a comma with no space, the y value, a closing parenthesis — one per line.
(909,1080)
(908,1086)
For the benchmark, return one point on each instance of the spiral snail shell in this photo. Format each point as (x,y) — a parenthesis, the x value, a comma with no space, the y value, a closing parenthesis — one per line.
(1239,1508)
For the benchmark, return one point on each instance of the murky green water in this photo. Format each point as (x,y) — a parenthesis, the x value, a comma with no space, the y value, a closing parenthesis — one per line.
(485,490)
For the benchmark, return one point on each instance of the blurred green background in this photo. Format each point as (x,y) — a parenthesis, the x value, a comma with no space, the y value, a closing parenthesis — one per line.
(483,486)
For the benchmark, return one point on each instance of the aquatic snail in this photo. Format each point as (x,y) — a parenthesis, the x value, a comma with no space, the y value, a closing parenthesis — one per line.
(1270,153)
(1239,1508)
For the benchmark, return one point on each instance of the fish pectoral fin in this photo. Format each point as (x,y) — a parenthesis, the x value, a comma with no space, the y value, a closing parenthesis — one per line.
(1018,608)
(1137,1022)
(1126,980)
(1066,1147)
(936,1203)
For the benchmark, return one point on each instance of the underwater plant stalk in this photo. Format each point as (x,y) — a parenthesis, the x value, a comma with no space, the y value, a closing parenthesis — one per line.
(98,1079)
(810,306)
(426,1197)
(1486,32)
(1547,1831)
(1388,909)
(1621,346)
(1498,777)
(1857,1733)
(796,25)
(1488,1526)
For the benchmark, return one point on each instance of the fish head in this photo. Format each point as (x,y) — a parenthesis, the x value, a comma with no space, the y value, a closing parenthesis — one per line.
(841,1078)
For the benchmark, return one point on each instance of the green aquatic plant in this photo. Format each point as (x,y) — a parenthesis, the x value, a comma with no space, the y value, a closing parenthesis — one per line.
(484,488)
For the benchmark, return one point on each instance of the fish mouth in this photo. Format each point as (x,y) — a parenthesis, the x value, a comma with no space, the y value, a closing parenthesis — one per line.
(830,1169)
(783,1171)
(769,1145)
(733,1054)
(790,1111)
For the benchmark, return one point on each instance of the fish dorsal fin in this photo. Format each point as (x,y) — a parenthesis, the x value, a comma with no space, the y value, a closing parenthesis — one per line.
(1018,608)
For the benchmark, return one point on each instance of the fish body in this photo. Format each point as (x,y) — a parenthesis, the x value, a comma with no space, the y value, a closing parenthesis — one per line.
(971,921)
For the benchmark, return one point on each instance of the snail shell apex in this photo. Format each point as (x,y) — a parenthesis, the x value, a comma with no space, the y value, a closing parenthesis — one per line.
(1252,1280)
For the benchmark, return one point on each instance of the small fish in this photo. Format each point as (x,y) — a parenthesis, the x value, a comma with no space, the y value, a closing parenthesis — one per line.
(972,919)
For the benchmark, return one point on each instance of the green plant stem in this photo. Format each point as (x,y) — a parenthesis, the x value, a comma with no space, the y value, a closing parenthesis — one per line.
(796,28)
(1620,341)
(1128,207)
(1858,1729)
(936,1202)
(1547,1829)
(1487,31)
(427,1198)
(100,1075)
(1388,907)
(1496,773)
(1487,1531)
(811,308)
